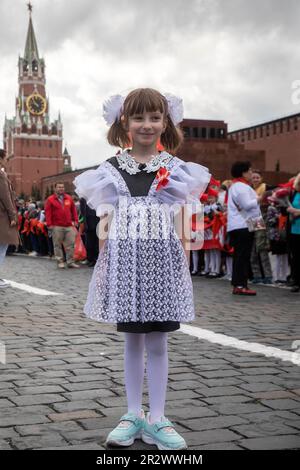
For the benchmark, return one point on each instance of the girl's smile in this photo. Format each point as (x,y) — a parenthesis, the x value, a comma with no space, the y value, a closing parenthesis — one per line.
(145,129)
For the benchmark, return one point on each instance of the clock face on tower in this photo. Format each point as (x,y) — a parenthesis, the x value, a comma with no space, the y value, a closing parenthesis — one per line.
(36,104)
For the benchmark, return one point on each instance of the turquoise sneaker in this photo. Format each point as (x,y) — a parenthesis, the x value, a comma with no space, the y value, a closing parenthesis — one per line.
(163,435)
(130,427)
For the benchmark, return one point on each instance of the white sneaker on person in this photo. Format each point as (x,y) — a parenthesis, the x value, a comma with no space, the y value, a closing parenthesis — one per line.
(162,434)
(73,265)
(33,253)
(130,427)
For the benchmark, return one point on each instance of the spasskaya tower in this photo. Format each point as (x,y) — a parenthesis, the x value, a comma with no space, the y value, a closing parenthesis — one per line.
(33,143)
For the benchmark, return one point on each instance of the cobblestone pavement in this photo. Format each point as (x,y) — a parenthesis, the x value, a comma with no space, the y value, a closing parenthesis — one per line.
(62,385)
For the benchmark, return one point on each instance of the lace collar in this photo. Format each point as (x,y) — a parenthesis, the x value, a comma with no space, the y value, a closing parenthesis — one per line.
(128,163)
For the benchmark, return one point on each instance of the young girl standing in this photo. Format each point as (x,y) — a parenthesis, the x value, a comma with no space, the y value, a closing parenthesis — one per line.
(141,280)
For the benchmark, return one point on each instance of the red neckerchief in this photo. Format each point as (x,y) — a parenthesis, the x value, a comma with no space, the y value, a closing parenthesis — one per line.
(241,180)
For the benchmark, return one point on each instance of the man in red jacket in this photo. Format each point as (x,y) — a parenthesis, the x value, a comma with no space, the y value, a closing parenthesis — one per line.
(61,216)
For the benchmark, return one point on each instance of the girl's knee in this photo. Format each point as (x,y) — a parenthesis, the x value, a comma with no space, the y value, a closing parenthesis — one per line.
(135,341)
(157,343)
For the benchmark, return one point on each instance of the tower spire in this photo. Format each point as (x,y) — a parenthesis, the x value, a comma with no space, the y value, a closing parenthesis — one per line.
(30,7)
(31,49)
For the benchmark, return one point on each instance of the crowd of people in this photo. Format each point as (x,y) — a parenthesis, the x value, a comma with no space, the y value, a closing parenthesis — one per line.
(229,241)
(51,228)
(61,227)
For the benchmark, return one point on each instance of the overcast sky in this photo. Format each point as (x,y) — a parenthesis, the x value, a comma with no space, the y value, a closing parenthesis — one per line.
(232,60)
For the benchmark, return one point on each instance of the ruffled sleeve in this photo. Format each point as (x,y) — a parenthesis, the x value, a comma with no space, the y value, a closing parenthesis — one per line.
(99,189)
(187,181)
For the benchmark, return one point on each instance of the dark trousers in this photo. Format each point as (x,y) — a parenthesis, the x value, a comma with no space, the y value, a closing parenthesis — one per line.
(241,240)
(92,245)
(295,257)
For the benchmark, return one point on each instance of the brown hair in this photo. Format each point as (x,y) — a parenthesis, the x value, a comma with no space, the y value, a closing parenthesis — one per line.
(2,153)
(137,102)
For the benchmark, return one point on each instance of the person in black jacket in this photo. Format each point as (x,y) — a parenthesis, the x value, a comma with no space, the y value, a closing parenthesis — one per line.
(90,225)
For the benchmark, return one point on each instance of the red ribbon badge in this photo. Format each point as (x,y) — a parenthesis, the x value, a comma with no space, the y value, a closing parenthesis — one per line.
(162,177)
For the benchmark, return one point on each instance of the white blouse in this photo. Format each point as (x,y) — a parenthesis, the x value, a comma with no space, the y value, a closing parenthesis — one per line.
(241,195)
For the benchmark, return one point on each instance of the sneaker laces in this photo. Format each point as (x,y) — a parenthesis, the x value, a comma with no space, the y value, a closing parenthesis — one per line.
(167,429)
(124,424)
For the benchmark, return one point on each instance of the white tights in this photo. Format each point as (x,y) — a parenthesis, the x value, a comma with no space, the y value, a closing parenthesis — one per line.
(156,347)
(212,259)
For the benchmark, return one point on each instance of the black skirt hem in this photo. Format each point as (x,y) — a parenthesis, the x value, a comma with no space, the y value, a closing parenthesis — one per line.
(148,327)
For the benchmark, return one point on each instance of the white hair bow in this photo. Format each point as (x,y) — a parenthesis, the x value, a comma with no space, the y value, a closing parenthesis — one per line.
(175,108)
(113,108)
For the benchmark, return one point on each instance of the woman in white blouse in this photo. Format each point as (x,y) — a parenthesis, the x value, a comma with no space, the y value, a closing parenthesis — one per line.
(242,206)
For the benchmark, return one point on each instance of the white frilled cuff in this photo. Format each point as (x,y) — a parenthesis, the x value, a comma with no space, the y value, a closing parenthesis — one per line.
(186,183)
(99,189)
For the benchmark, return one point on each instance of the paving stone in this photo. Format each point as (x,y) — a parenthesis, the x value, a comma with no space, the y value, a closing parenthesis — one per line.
(282,404)
(220,373)
(222,382)
(5,403)
(219,422)
(195,412)
(4,445)
(285,417)
(76,405)
(273,395)
(97,435)
(87,446)
(79,414)
(264,429)
(239,409)
(272,443)
(76,387)
(37,399)
(217,446)
(212,436)
(228,399)
(219,391)
(38,441)
(47,389)
(261,387)
(56,427)
(99,394)
(25,418)
(7,433)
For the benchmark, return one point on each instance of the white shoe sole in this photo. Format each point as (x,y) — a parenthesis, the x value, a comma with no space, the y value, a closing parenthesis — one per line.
(127,443)
(4,286)
(149,440)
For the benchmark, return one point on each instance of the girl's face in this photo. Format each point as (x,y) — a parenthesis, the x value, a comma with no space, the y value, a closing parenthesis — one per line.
(212,199)
(256,179)
(146,128)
